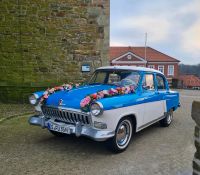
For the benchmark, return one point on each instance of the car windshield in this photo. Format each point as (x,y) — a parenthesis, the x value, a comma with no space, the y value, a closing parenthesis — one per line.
(115,77)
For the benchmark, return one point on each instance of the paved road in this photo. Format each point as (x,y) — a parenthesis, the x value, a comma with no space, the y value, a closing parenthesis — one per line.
(27,149)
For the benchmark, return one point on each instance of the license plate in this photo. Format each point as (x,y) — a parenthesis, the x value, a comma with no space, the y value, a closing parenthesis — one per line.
(59,128)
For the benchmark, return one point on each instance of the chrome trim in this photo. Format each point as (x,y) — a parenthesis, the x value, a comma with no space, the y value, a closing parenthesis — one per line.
(37,99)
(100,104)
(77,129)
(36,95)
(151,122)
(69,109)
(67,115)
(37,120)
(101,108)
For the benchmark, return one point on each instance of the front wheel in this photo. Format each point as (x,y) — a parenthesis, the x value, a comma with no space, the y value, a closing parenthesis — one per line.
(122,137)
(167,120)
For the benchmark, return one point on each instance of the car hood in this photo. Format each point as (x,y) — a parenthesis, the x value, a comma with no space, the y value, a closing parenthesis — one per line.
(72,98)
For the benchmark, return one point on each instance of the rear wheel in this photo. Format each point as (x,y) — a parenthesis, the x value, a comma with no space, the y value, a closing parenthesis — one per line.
(167,120)
(122,137)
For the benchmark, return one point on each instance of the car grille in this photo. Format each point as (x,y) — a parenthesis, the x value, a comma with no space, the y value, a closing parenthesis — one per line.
(65,115)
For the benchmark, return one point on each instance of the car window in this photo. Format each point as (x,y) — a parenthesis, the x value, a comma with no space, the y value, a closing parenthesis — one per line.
(99,78)
(113,78)
(129,78)
(148,82)
(160,82)
(116,77)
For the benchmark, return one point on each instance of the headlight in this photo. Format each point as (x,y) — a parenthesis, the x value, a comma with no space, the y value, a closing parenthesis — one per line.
(33,99)
(96,109)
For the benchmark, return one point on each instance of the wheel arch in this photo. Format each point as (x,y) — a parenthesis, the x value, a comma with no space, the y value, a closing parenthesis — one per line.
(133,120)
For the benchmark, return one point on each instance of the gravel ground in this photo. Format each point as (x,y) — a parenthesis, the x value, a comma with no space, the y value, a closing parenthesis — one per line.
(26,149)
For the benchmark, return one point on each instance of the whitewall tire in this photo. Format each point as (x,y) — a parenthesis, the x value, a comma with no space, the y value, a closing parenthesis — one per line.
(167,120)
(123,134)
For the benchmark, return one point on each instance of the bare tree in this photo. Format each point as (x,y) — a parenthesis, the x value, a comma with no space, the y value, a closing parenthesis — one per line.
(189,69)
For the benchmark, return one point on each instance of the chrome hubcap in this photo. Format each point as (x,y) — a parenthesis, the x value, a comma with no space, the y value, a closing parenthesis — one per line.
(169,118)
(123,133)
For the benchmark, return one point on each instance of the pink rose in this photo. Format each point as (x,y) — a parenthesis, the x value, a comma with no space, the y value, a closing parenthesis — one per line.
(45,96)
(123,88)
(51,90)
(77,85)
(82,104)
(127,90)
(132,88)
(85,101)
(56,88)
(98,96)
(101,94)
(114,90)
(59,88)
(105,92)
(69,86)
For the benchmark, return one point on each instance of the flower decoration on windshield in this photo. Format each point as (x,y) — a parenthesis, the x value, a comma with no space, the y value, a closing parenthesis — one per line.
(64,87)
(89,99)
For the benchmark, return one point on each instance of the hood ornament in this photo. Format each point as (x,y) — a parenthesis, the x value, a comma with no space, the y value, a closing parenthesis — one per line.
(60,102)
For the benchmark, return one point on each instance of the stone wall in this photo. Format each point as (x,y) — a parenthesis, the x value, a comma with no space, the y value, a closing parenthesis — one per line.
(45,42)
(196,118)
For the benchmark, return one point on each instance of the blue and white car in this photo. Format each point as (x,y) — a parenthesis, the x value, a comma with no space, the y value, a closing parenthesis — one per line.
(113,119)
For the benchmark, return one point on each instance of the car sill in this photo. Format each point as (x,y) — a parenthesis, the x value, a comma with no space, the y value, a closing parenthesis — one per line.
(150,123)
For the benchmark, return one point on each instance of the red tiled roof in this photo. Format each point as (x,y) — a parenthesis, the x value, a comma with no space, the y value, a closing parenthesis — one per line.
(190,80)
(151,54)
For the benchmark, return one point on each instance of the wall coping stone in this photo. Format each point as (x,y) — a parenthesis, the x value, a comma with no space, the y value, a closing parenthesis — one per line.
(196,112)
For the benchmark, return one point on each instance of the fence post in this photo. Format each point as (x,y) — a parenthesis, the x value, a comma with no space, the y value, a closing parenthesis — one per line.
(196,118)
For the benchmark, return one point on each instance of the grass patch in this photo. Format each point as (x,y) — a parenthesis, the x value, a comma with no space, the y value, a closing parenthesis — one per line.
(8,111)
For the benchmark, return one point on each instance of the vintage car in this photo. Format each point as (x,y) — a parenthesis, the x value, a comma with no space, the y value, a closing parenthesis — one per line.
(115,103)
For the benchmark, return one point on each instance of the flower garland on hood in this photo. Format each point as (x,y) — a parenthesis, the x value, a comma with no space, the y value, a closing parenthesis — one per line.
(89,99)
(49,91)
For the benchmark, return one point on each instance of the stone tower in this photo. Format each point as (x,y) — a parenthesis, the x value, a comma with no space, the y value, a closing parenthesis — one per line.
(46,43)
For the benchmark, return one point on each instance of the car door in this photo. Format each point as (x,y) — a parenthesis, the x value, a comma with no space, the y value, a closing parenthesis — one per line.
(161,86)
(169,99)
(153,105)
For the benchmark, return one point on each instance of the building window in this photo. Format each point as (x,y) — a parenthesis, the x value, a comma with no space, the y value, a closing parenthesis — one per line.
(129,57)
(170,69)
(161,68)
(151,66)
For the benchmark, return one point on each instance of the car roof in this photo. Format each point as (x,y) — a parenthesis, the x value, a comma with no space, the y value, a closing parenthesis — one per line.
(145,69)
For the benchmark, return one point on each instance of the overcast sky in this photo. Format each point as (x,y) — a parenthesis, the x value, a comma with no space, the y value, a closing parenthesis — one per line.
(173,26)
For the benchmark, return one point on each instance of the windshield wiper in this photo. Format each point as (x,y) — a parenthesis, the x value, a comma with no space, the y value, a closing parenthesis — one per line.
(112,84)
(93,83)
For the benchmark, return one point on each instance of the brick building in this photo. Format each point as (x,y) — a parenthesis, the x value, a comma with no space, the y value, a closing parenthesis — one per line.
(189,81)
(136,56)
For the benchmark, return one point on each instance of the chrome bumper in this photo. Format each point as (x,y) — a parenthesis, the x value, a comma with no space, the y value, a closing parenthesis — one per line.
(77,129)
